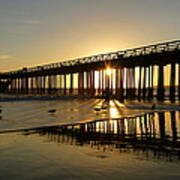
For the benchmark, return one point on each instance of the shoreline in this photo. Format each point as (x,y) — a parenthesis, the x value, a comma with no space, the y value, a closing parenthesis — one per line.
(41,97)
(10,97)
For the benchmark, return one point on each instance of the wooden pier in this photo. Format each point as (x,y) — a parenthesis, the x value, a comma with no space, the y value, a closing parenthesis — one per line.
(133,73)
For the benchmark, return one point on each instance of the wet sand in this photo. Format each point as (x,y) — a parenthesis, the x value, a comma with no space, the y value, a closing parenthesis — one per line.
(81,140)
(45,155)
(34,113)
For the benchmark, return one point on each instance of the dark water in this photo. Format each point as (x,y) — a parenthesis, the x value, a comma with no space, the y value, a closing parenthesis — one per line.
(142,147)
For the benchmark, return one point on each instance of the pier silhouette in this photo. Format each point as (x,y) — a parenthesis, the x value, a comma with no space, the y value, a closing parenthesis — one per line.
(133,75)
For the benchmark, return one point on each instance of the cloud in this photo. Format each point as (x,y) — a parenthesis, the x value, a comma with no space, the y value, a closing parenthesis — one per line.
(4,56)
(32,22)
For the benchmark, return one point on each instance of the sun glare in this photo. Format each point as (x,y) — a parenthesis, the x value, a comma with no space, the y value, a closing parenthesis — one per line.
(108,71)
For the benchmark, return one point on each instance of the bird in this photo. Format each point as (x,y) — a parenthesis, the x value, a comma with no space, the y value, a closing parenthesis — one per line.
(52,111)
(97,109)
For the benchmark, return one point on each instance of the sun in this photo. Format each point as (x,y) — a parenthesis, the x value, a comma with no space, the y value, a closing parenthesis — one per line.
(108,71)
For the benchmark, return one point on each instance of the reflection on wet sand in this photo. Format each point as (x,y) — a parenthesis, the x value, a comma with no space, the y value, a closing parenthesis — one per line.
(28,114)
(154,135)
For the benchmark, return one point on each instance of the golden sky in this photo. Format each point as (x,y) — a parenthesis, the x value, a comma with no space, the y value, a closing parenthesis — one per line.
(34,32)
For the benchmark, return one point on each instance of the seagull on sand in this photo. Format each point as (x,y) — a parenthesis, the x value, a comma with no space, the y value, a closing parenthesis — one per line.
(97,109)
(52,111)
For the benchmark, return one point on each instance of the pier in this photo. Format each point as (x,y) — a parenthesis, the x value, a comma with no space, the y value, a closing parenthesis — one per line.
(125,74)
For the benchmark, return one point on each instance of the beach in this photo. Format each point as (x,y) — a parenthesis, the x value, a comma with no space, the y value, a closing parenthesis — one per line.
(81,140)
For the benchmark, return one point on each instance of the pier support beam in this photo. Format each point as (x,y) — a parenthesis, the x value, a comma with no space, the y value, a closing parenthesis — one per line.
(82,83)
(179,81)
(111,83)
(19,85)
(44,84)
(26,85)
(160,90)
(49,84)
(55,83)
(103,83)
(116,81)
(14,85)
(32,84)
(127,83)
(144,82)
(139,83)
(172,81)
(88,88)
(92,81)
(65,84)
(60,84)
(99,82)
(132,79)
(151,79)
(121,84)
(71,83)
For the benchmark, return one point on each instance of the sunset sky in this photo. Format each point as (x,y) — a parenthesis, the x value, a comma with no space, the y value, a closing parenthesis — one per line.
(34,32)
